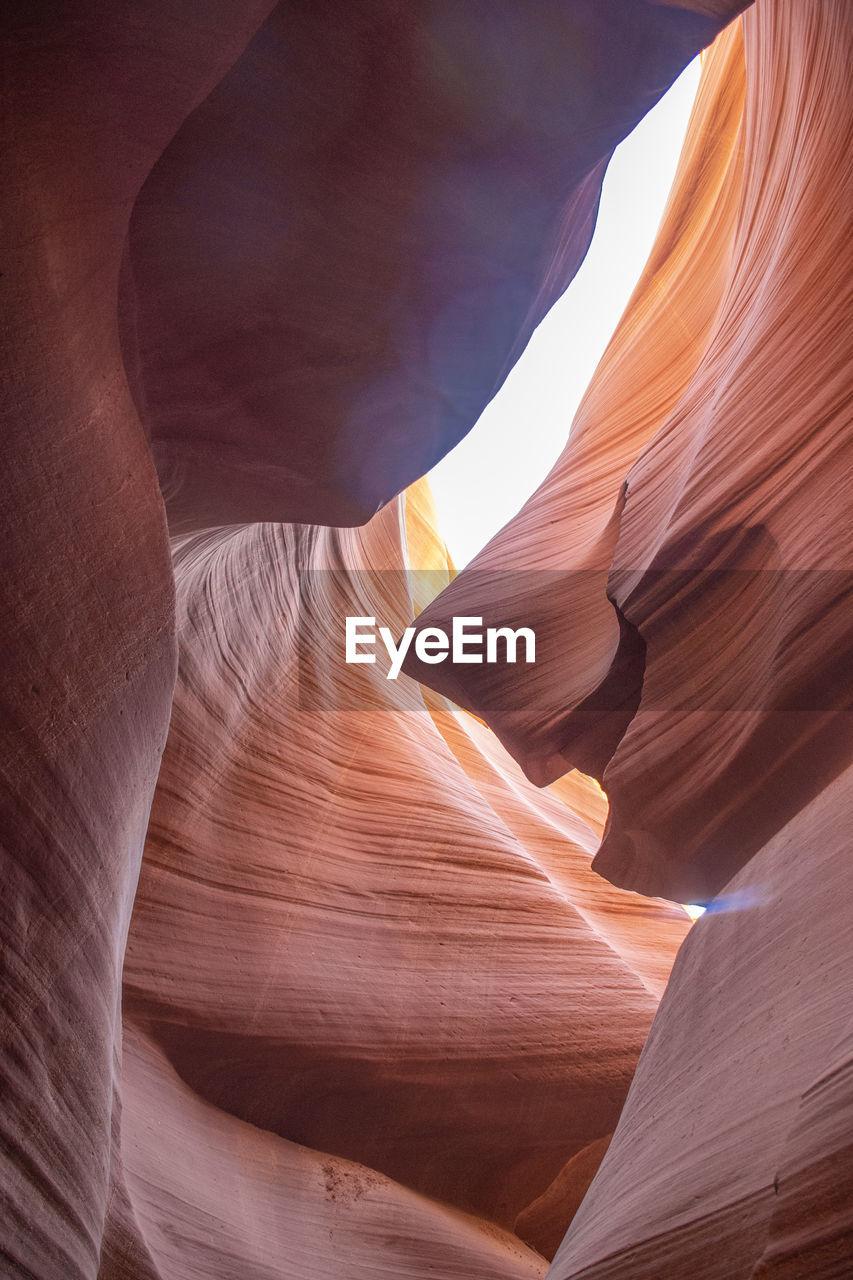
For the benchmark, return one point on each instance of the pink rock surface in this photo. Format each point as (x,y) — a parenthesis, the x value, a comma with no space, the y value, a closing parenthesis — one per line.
(361,226)
(378,1007)
(732,1157)
(212,1196)
(811,1227)
(708,682)
(548,567)
(396,953)
(729,773)
(88,651)
(544,1223)
(93,101)
(748,685)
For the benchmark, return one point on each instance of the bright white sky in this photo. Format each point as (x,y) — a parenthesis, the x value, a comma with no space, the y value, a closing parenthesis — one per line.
(484,481)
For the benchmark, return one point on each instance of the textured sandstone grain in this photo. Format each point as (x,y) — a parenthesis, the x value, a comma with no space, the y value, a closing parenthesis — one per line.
(376,1001)
(544,1223)
(212,1196)
(93,101)
(548,567)
(747,682)
(701,661)
(86,601)
(732,1158)
(396,950)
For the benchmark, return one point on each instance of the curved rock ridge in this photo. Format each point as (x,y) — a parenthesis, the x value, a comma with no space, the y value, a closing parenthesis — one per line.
(747,478)
(362,224)
(380,1013)
(86,594)
(811,1227)
(364,931)
(732,1157)
(543,1223)
(723,667)
(214,1196)
(548,567)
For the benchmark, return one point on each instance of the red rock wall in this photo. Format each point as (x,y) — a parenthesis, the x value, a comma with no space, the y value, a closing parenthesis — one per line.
(87,610)
(210,1195)
(701,635)
(378,1009)
(718,715)
(733,1157)
(393,952)
(102,103)
(361,225)
(548,567)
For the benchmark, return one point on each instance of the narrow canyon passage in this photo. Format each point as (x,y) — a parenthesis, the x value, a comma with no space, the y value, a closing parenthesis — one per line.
(309,973)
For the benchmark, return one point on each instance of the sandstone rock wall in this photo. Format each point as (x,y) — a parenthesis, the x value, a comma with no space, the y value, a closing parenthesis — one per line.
(698,586)
(358,928)
(87,604)
(379,1012)
(702,492)
(725,1162)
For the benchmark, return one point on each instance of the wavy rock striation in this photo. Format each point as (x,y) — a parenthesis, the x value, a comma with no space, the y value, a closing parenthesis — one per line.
(217,224)
(548,567)
(380,1015)
(709,682)
(394,952)
(732,1159)
(211,1195)
(698,582)
(86,593)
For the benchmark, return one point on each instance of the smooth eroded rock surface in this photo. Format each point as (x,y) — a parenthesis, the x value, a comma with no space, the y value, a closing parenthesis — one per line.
(726,1163)
(216,1197)
(342,253)
(702,574)
(381,1016)
(86,593)
(544,1222)
(361,929)
(548,567)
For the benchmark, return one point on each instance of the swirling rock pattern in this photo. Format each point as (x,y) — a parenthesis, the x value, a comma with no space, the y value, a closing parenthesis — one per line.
(548,568)
(102,107)
(210,1195)
(88,646)
(395,951)
(719,714)
(699,622)
(379,1013)
(543,1223)
(732,1156)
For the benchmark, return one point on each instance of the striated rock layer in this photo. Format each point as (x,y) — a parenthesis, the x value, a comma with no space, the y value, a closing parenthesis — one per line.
(548,567)
(222,228)
(209,1195)
(695,608)
(380,1015)
(733,1158)
(359,929)
(543,1223)
(86,594)
(700,570)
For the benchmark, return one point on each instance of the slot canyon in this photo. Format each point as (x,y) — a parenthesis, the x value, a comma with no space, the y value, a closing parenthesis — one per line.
(313,975)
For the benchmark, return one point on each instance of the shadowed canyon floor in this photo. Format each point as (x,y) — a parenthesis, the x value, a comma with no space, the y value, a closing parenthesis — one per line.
(310,974)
